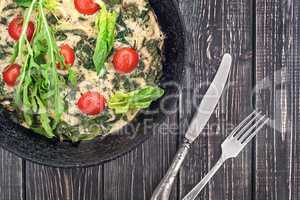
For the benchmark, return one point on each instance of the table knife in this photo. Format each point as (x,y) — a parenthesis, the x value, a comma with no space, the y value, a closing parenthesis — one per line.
(203,113)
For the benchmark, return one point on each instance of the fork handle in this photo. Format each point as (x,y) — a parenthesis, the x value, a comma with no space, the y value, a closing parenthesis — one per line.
(197,189)
(163,190)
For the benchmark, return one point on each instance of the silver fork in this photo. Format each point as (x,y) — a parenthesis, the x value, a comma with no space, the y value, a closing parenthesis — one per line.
(232,146)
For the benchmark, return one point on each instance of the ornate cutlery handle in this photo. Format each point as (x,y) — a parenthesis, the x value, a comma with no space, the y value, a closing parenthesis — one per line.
(162,191)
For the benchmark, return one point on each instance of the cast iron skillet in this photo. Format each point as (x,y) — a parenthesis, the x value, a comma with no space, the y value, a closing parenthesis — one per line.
(33,147)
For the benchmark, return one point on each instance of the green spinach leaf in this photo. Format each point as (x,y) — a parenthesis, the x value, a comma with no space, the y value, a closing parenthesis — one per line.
(137,99)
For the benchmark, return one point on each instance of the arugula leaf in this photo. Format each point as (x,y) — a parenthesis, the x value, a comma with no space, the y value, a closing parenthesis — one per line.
(137,99)
(44,118)
(72,77)
(106,25)
(39,90)
(53,51)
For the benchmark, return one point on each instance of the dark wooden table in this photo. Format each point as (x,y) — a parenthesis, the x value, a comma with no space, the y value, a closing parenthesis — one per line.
(264,38)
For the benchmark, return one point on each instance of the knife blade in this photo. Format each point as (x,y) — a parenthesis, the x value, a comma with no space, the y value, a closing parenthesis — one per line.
(203,113)
(210,100)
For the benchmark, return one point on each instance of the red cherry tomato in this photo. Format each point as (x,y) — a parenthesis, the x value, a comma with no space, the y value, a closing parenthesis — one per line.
(68,53)
(15,28)
(91,103)
(87,7)
(11,73)
(125,60)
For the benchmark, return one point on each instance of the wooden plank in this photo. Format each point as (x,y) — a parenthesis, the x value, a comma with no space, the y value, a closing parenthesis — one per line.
(47,183)
(278,79)
(11,176)
(135,175)
(215,27)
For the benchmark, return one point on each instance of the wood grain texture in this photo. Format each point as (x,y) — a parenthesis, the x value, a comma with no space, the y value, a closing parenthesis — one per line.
(135,175)
(47,183)
(11,176)
(278,79)
(214,28)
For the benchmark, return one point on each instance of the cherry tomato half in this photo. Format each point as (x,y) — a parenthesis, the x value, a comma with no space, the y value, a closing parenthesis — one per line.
(15,28)
(68,53)
(87,7)
(11,73)
(125,60)
(91,103)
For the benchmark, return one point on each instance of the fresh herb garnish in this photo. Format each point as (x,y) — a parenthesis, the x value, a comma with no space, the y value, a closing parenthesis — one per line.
(39,90)
(137,99)
(72,77)
(105,25)
(49,4)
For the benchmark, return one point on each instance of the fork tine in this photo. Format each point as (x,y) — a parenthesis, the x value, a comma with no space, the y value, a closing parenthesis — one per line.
(255,132)
(248,133)
(236,129)
(246,127)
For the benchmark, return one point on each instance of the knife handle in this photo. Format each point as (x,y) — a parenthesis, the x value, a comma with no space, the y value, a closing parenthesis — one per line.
(163,190)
